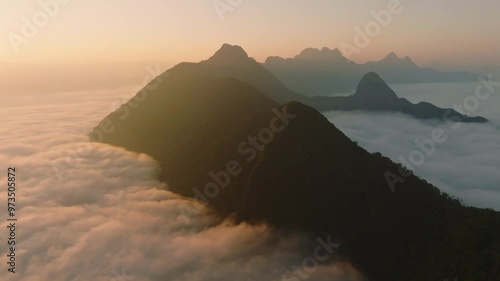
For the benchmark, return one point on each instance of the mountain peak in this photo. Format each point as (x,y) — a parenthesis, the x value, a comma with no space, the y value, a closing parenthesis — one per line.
(391,57)
(394,59)
(309,52)
(324,54)
(371,76)
(332,52)
(229,53)
(407,59)
(372,86)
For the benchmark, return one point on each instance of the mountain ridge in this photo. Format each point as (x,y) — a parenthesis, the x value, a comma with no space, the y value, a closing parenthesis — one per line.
(304,174)
(313,77)
(373,94)
(233,61)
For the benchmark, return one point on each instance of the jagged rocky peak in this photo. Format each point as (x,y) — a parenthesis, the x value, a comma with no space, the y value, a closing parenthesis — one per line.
(391,57)
(229,53)
(274,60)
(407,59)
(309,52)
(335,51)
(394,59)
(323,54)
(372,86)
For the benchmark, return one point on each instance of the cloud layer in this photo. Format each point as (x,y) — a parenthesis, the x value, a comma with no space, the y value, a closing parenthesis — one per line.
(466,165)
(95,212)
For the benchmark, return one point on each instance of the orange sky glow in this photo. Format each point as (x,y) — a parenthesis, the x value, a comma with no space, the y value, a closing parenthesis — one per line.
(452,32)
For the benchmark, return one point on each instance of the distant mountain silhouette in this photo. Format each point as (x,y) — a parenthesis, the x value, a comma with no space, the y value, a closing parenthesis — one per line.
(233,61)
(323,55)
(208,132)
(373,94)
(307,74)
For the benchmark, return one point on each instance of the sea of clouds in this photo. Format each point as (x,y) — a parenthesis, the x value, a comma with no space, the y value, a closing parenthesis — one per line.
(105,216)
(466,165)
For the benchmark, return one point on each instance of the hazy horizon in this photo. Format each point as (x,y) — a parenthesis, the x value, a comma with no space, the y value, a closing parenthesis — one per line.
(175,31)
(154,140)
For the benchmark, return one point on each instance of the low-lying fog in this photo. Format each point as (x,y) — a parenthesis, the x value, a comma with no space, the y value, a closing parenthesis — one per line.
(465,165)
(96,212)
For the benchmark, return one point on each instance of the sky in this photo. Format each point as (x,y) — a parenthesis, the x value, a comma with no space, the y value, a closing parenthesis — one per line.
(459,33)
(106,215)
